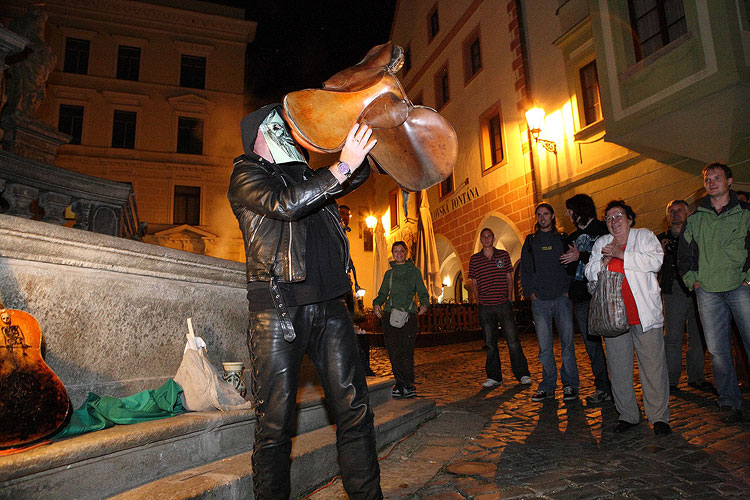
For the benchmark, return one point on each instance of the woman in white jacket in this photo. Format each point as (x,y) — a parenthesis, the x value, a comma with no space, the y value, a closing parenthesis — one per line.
(638,254)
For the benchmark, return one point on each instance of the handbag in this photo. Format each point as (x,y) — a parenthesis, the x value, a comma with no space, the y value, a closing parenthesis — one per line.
(607,314)
(398,317)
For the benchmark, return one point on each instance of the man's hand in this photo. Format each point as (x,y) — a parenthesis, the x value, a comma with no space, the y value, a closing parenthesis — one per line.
(571,255)
(422,310)
(696,285)
(358,144)
(533,296)
(376,310)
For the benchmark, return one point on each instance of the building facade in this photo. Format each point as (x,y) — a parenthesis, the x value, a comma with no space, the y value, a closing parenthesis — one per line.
(638,96)
(152,93)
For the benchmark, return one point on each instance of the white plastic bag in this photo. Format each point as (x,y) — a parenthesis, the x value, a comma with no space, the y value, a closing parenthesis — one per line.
(202,386)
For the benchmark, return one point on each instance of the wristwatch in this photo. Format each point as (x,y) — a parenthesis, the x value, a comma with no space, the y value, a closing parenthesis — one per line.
(344,169)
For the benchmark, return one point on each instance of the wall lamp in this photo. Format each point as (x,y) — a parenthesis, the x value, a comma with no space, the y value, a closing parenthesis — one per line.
(535,120)
(371,222)
(361,292)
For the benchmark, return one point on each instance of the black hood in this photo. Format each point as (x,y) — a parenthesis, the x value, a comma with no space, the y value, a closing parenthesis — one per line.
(250,123)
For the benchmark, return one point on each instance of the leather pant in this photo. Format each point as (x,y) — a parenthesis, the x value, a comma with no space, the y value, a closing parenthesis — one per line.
(325,333)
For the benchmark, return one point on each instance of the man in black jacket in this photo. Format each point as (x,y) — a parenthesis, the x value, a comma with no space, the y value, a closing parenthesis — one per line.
(582,212)
(297,262)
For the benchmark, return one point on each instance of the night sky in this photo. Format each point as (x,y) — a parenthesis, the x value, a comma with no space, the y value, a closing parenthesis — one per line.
(300,44)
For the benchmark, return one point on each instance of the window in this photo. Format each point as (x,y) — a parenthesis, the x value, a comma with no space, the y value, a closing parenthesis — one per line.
(655,24)
(71,122)
(472,56)
(407,60)
(446,187)
(393,205)
(123,129)
(496,140)
(128,63)
(193,72)
(190,135)
(592,107)
(442,87)
(76,56)
(187,205)
(433,24)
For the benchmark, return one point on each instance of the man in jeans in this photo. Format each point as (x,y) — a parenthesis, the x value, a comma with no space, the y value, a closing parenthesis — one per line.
(582,212)
(679,308)
(714,260)
(545,282)
(491,275)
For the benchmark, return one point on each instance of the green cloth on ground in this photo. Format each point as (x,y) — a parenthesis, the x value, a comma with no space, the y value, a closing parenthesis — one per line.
(101,412)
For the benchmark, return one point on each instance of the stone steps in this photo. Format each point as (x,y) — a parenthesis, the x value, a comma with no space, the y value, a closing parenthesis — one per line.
(116,460)
(314,460)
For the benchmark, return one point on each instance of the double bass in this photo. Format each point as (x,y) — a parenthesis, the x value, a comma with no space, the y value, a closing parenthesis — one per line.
(33,401)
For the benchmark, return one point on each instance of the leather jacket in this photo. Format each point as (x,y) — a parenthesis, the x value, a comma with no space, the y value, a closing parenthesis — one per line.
(271,208)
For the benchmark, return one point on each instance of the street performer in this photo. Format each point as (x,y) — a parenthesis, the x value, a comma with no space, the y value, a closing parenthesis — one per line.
(297,272)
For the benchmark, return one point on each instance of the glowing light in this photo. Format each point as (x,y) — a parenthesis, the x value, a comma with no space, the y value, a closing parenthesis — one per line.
(371,221)
(361,292)
(447,281)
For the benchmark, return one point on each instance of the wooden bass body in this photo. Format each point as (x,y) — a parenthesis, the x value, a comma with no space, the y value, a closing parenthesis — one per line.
(33,401)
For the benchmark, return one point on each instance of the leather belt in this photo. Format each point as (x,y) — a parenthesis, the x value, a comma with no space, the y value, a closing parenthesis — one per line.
(285,321)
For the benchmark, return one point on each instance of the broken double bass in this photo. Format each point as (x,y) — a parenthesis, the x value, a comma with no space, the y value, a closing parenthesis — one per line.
(33,401)
(416,145)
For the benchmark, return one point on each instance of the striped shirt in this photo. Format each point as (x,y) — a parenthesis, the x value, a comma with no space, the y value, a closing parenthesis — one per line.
(491,276)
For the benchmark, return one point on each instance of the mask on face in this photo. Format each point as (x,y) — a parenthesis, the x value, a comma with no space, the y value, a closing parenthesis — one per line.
(279,139)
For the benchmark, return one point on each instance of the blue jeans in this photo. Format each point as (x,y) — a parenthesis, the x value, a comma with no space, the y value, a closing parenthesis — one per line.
(543,312)
(593,347)
(489,317)
(715,309)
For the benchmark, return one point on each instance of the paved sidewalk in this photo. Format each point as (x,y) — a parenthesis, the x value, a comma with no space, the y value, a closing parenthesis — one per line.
(496,443)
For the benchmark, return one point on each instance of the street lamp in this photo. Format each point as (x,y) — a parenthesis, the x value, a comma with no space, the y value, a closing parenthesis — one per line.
(535,120)
(361,292)
(371,221)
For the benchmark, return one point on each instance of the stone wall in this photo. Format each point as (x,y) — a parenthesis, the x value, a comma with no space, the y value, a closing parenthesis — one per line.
(113,311)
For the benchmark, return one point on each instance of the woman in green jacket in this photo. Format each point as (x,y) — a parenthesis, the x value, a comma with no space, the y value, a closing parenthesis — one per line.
(396,297)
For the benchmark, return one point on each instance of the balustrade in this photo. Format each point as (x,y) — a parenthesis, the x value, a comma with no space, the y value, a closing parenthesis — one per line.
(35,190)
(438,318)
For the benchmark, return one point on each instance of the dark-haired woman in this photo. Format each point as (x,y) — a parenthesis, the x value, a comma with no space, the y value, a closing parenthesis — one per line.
(637,254)
(400,284)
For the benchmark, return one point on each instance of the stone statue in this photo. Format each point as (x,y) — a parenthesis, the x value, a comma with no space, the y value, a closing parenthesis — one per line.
(26,79)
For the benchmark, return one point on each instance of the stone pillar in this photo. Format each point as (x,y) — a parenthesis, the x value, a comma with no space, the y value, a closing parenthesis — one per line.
(82,209)
(54,205)
(20,198)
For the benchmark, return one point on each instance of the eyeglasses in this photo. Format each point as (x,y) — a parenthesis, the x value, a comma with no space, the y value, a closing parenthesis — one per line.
(610,219)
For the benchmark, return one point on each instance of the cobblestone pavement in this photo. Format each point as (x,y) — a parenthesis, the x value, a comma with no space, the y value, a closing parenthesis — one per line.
(496,443)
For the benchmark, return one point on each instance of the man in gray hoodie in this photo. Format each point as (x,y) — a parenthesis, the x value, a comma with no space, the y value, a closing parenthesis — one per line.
(545,282)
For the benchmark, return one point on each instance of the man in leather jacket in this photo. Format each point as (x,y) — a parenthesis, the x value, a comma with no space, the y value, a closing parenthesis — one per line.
(297,263)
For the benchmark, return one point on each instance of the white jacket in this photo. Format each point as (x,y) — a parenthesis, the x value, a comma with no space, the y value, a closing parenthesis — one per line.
(643,258)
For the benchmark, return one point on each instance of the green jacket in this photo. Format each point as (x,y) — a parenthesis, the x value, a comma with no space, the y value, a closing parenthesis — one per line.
(407,281)
(714,249)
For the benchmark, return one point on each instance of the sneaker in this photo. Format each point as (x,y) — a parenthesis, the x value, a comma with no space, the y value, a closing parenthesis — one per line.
(525,380)
(410,391)
(397,392)
(491,382)
(622,426)
(569,393)
(662,429)
(598,397)
(730,415)
(541,395)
